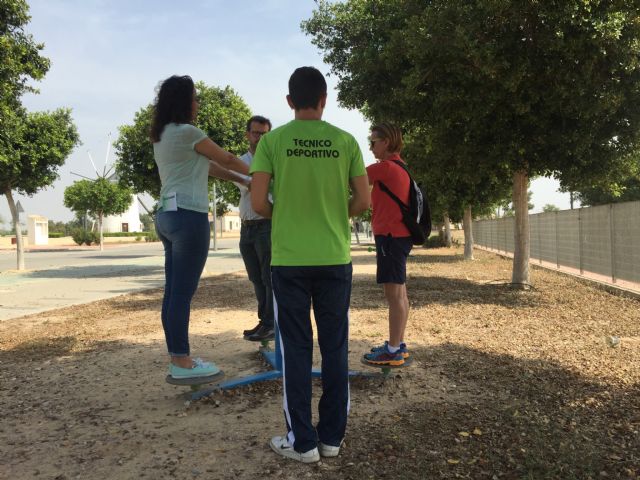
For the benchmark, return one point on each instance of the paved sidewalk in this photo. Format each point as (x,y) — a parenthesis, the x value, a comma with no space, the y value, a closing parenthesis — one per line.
(35,291)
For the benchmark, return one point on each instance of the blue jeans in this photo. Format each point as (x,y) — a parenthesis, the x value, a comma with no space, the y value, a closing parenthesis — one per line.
(328,289)
(255,247)
(185,235)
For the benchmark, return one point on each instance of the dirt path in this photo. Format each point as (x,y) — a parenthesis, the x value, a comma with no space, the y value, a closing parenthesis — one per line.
(505,384)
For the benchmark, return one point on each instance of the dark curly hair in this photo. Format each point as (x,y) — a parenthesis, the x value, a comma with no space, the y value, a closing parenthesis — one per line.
(172,105)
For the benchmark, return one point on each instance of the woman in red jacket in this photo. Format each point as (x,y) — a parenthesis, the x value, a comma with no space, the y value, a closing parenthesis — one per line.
(393,240)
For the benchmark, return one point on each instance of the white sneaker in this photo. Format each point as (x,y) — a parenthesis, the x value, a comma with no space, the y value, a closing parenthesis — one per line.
(281,446)
(328,450)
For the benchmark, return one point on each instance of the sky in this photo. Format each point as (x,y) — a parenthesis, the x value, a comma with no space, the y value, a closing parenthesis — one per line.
(108,56)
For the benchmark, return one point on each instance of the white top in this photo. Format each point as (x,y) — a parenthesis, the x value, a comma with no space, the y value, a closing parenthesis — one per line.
(183,171)
(246,212)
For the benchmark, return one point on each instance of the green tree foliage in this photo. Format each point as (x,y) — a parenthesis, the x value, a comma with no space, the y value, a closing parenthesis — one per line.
(64,228)
(20,58)
(366,44)
(32,146)
(549,207)
(40,146)
(99,197)
(507,207)
(135,165)
(625,190)
(147,222)
(20,62)
(525,88)
(222,116)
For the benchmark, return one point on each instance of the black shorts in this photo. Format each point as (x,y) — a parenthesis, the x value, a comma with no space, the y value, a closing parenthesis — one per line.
(391,258)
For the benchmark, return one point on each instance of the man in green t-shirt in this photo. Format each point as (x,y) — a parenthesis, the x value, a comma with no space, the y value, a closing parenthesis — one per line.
(312,164)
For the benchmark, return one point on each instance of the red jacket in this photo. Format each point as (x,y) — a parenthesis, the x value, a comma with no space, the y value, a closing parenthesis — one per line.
(387,218)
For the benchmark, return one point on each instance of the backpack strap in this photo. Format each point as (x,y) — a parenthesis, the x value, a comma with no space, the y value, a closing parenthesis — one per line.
(402,165)
(393,196)
(386,189)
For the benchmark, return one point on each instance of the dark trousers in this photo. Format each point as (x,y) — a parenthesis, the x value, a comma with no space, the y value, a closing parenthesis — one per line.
(255,247)
(185,236)
(329,288)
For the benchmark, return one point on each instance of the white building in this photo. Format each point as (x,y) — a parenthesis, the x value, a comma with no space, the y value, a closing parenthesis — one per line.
(38,230)
(229,223)
(129,221)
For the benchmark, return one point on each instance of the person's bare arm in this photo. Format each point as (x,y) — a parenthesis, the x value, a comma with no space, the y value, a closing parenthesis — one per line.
(213,151)
(217,171)
(260,194)
(361,195)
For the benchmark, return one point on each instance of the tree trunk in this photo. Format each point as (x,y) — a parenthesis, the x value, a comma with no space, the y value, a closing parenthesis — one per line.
(15,218)
(355,229)
(468,234)
(520,273)
(447,231)
(100,229)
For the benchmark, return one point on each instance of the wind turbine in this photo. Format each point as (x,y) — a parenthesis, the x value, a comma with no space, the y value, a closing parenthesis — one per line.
(106,174)
(105,171)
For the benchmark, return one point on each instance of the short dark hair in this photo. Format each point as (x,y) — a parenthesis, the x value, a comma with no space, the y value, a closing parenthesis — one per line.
(306,86)
(258,119)
(172,104)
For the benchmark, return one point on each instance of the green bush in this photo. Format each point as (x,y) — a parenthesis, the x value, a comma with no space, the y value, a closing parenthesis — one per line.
(79,235)
(92,237)
(138,238)
(56,234)
(434,241)
(151,237)
(86,237)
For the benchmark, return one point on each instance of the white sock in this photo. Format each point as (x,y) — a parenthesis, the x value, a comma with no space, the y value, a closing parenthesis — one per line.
(392,349)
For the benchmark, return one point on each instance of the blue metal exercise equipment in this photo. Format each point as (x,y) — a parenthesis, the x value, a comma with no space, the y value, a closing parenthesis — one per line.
(274,359)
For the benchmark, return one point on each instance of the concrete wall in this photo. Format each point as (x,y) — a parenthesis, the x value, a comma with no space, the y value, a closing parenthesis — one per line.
(603,240)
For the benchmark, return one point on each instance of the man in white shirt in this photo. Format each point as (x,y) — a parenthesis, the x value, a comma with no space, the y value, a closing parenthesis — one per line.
(255,241)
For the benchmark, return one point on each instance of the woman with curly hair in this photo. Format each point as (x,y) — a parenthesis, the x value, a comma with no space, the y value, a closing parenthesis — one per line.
(185,157)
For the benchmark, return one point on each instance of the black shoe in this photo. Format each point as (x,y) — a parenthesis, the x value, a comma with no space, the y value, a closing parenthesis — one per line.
(246,333)
(263,333)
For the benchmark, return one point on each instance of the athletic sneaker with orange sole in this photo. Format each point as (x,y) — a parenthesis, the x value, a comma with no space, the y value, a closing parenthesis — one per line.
(381,357)
(403,349)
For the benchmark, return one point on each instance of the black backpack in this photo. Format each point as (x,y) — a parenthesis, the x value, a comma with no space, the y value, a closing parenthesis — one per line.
(417,215)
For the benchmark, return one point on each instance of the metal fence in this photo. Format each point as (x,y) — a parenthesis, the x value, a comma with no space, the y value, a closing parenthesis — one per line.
(603,240)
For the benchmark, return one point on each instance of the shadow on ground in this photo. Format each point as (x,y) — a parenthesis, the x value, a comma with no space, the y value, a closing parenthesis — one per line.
(436,290)
(96,271)
(369,257)
(496,416)
(458,412)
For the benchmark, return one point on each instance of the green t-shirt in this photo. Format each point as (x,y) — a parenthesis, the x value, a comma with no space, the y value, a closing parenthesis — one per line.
(311,162)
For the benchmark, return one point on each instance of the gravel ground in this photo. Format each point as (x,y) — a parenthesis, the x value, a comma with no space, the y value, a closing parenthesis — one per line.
(505,383)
